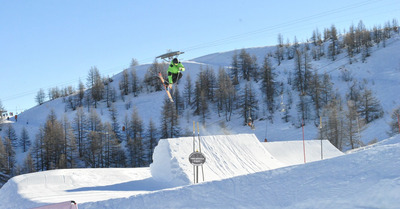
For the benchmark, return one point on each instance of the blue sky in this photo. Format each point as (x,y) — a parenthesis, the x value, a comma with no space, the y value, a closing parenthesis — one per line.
(47,43)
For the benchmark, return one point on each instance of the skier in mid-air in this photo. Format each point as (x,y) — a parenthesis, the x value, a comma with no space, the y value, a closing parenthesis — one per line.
(175,70)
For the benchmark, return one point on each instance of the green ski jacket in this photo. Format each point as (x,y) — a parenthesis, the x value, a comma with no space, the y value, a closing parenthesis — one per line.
(174,69)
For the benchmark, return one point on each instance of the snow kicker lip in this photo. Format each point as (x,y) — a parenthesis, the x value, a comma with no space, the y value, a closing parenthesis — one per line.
(227,156)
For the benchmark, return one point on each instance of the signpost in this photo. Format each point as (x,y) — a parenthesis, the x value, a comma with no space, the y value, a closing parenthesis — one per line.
(197,158)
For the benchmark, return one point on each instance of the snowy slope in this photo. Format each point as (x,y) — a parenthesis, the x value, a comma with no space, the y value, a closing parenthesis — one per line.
(381,70)
(292,152)
(226,156)
(80,185)
(366,179)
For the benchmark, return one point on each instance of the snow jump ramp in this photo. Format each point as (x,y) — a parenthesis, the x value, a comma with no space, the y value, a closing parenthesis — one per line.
(292,152)
(226,156)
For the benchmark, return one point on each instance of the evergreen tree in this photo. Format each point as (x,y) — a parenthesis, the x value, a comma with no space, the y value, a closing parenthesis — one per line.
(169,120)
(94,121)
(225,94)
(135,143)
(333,48)
(40,97)
(11,135)
(5,172)
(28,166)
(81,93)
(52,142)
(234,73)
(395,122)
(69,152)
(353,125)
(326,89)
(107,91)
(135,83)
(10,157)
(188,92)
(279,49)
(248,103)
(114,122)
(96,85)
(369,106)
(93,154)
(178,101)
(117,153)
(124,83)
(37,152)
(80,127)
(151,135)
(151,80)
(349,42)
(268,85)
(299,80)
(202,92)
(201,101)
(25,143)
(246,65)
(332,128)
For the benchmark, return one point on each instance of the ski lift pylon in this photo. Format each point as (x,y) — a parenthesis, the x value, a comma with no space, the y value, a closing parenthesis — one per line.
(170,55)
(250,121)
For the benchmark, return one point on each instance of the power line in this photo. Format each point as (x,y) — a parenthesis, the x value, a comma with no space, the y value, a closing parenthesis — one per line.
(278,26)
(225,40)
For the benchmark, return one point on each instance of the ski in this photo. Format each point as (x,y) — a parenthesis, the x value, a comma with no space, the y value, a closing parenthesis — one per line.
(166,90)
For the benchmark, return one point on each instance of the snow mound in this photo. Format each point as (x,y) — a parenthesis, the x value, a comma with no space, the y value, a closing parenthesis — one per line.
(291,152)
(366,179)
(81,185)
(226,156)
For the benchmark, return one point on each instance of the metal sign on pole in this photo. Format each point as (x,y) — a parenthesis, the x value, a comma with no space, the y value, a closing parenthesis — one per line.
(197,158)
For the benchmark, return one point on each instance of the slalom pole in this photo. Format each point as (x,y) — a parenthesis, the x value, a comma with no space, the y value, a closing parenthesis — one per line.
(304,144)
(320,130)
(198,136)
(194,139)
(194,149)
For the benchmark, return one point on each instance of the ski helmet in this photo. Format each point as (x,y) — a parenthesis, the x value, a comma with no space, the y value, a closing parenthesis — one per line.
(175,61)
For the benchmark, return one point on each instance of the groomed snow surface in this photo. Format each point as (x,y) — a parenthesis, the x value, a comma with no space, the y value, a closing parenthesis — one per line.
(240,172)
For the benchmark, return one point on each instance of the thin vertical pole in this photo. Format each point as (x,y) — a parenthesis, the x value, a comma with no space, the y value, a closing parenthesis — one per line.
(198,135)
(320,130)
(194,139)
(194,149)
(197,174)
(304,143)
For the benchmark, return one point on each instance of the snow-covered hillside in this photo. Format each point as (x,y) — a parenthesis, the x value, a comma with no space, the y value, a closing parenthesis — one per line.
(367,178)
(381,70)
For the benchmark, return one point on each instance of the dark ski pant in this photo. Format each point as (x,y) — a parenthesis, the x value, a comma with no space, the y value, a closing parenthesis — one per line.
(175,76)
